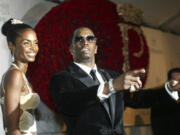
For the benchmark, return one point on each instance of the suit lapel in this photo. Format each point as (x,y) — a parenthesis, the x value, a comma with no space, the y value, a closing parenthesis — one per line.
(80,75)
(105,75)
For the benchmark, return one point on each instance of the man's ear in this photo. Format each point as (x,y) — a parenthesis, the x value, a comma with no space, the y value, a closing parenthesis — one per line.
(96,49)
(71,50)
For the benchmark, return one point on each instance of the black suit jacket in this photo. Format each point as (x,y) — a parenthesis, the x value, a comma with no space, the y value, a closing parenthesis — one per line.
(75,95)
(165,118)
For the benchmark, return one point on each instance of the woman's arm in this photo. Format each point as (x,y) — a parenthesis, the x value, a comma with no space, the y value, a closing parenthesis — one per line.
(13,86)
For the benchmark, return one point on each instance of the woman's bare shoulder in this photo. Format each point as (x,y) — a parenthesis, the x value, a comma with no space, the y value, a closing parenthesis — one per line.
(13,79)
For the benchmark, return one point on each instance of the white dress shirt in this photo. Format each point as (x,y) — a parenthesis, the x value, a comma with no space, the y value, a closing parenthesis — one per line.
(87,69)
(173,94)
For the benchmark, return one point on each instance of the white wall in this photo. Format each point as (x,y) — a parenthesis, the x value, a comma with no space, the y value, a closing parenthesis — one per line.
(164,54)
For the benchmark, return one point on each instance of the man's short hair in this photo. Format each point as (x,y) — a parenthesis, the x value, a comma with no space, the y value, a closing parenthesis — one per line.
(171,71)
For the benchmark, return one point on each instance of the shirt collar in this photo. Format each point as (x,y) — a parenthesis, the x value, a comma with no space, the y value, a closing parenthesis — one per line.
(86,68)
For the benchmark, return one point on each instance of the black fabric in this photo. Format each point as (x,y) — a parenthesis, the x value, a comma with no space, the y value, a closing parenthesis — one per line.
(93,74)
(165,118)
(109,100)
(75,95)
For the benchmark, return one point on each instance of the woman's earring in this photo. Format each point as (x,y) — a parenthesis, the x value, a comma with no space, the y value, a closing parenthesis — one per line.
(12,56)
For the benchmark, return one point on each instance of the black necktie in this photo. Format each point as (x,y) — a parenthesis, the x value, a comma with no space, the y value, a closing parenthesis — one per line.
(94,77)
(108,101)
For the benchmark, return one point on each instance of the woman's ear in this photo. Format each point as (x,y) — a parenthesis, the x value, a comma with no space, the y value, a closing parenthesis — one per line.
(11,46)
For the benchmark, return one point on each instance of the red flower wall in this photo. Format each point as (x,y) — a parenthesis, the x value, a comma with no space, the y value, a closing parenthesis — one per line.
(54,31)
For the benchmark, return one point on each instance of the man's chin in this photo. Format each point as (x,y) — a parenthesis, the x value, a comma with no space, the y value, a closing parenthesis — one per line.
(84,59)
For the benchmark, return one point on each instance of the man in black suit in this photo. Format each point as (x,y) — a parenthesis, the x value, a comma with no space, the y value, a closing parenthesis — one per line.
(165,118)
(91,99)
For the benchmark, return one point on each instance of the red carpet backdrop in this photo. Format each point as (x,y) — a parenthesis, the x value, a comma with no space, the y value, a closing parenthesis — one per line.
(121,44)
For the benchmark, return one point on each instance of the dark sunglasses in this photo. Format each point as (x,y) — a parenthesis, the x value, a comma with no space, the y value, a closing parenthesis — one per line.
(80,39)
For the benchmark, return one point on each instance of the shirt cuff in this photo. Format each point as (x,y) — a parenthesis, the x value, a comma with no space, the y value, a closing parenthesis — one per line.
(173,94)
(100,94)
